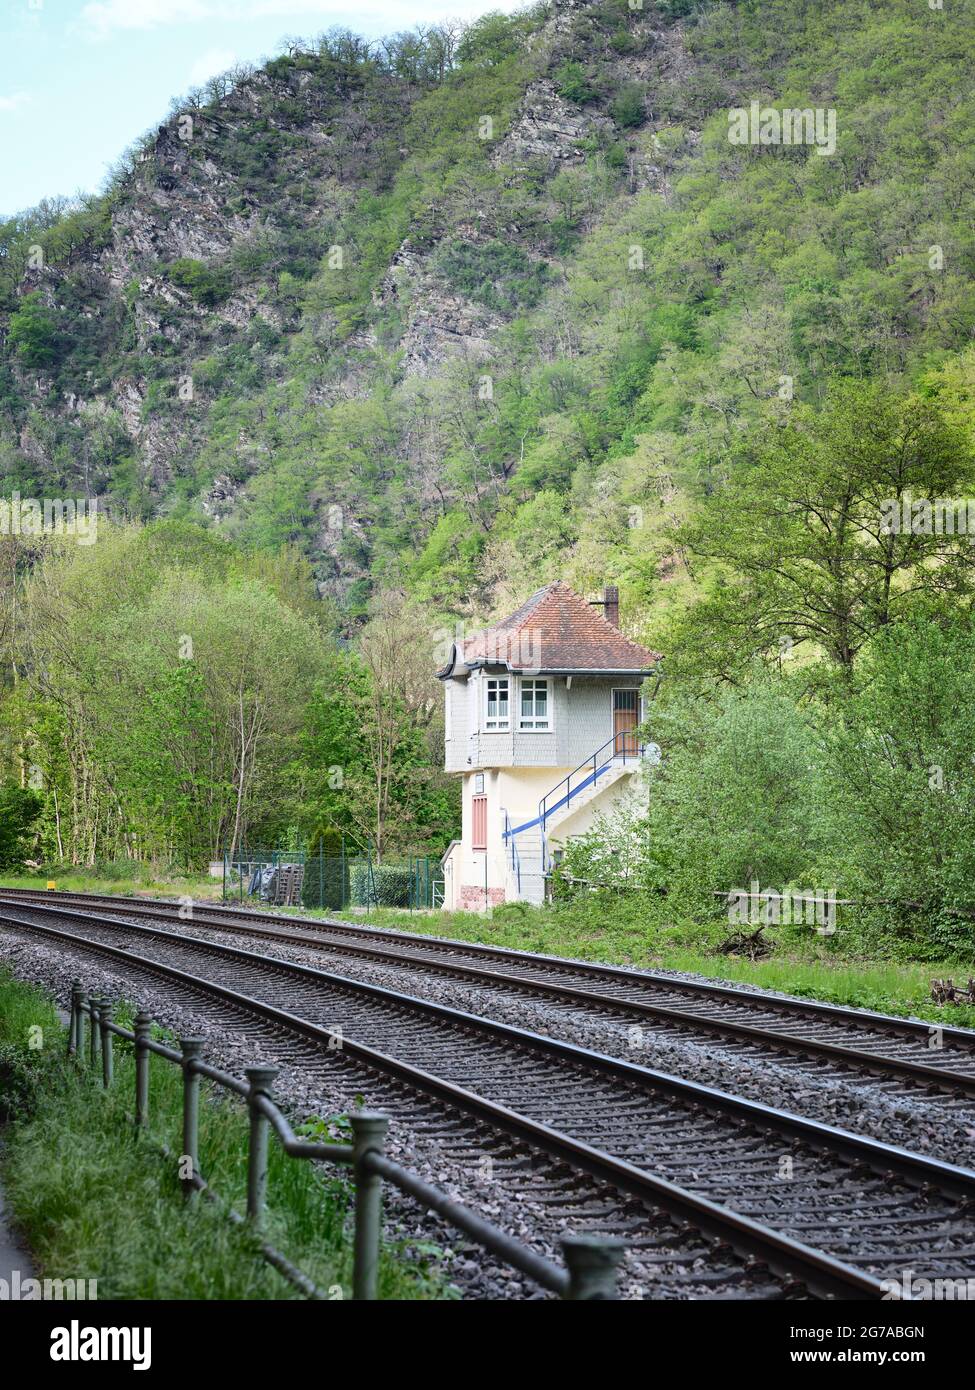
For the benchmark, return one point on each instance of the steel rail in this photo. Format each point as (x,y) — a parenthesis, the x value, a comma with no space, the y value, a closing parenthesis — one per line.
(782,1252)
(630,975)
(945,1079)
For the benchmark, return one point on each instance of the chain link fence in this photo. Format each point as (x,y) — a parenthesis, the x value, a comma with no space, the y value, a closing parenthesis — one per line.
(340,875)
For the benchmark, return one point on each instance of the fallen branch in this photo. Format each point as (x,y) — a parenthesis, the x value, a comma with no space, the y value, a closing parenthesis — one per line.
(750,944)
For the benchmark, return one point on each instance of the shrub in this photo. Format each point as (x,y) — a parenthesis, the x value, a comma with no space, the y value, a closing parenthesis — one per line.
(115,870)
(627,108)
(494,273)
(624,42)
(389,886)
(33,333)
(323,884)
(206,285)
(572,82)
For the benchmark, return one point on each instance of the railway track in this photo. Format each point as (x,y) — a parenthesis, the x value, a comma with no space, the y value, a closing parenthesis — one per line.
(929,1061)
(833,1212)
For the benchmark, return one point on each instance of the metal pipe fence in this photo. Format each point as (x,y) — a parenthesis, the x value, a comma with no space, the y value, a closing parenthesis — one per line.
(589,1272)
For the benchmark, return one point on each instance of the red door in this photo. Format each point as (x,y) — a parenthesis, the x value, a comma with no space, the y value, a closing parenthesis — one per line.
(478,822)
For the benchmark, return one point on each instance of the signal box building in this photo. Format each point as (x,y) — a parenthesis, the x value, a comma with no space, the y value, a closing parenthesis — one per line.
(542,712)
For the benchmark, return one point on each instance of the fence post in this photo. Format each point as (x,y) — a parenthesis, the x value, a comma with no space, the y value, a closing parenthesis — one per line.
(259,1079)
(368,1136)
(93,1038)
(80,1035)
(143,1031)
(191,1049)
(592,1262)
(75,1018)
(108,1058)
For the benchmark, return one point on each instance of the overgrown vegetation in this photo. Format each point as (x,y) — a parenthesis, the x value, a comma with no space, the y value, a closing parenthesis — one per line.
(181,697)
(712,368)
(633,929)
(95,1201)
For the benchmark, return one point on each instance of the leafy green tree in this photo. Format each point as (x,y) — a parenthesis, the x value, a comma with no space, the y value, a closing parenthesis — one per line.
(901,788)
(735,795)
(803,534)
(19,811)
(375,738)
(33,332)
(490,39)
(179,683)
(735,798)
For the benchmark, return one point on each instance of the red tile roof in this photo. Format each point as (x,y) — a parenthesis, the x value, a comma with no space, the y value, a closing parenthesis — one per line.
(555,630)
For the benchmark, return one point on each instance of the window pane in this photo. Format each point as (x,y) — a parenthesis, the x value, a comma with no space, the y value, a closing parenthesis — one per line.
(534,704)
(497,701)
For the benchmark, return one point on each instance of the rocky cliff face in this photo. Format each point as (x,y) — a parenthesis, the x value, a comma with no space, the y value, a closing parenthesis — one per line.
(549,129)
(262,254)
(437,324)
(219,200)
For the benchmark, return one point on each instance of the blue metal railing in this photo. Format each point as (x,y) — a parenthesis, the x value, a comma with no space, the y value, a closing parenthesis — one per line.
(515,856)
(621,746)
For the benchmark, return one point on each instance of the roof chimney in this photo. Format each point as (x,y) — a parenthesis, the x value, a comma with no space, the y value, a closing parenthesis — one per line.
(611,604)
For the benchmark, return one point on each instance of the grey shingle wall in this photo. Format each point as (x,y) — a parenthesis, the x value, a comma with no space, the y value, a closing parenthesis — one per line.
(583,720)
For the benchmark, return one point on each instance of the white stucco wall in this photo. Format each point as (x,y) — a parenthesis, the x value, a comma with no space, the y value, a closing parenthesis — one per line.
(517,768)
(517,791)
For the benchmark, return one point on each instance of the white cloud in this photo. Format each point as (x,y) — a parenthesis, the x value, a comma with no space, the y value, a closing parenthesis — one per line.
(13,103)
(209,64)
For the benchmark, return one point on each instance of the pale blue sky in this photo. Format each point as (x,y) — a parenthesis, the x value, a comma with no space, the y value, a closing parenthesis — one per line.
(81,79)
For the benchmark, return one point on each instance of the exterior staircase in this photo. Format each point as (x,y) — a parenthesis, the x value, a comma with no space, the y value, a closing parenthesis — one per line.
(609,775)
(526,867)
(527,855)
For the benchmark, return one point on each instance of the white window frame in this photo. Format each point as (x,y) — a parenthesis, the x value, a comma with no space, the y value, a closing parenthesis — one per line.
(531,723)
(495,724)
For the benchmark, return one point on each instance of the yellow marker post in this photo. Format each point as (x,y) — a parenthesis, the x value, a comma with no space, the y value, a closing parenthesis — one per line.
(51,883)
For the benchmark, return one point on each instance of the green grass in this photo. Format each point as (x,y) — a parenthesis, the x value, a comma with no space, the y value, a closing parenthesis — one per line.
(88,881)
(96,1201)
(617,934)
(888,987)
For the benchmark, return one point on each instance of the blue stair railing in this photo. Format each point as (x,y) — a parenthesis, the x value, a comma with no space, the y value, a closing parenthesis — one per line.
(616,750)
(515,856)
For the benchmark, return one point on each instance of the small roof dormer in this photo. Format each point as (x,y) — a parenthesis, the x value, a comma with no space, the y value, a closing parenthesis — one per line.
(555,632)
